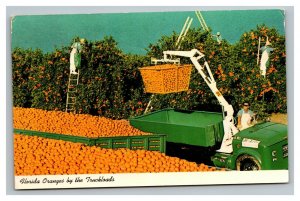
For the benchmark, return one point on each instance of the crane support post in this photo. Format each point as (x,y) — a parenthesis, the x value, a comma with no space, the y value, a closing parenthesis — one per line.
(209,71)
(229,128)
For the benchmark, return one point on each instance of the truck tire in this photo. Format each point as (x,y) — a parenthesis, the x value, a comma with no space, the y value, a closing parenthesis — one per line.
(247,163)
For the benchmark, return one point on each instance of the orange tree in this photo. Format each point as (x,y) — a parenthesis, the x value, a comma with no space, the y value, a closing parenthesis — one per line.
(98,89)
(49,81)
(110,83)
(266,94)
(199,96)
(236,72)
(23,64)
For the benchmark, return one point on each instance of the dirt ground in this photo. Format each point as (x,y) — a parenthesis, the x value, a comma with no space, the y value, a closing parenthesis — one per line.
(279,118)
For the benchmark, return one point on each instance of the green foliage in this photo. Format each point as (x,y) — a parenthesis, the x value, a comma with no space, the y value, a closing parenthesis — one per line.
(269,91)
(235,70)
(50,81)
(23,64)
(110,83)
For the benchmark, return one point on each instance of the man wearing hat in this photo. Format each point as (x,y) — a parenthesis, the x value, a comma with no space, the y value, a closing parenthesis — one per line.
(245,117)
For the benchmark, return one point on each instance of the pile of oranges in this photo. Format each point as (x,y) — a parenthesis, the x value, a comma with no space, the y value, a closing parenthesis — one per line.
(71,124)
(39,156)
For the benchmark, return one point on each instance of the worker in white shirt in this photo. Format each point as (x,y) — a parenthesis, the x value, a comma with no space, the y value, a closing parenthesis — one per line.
(265,61)
(75,56)
(245,117)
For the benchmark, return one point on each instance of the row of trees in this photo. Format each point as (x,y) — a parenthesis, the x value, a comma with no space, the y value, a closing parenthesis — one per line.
(111,85)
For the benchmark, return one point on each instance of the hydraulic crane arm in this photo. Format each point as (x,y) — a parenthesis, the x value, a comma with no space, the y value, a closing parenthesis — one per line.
(205,72)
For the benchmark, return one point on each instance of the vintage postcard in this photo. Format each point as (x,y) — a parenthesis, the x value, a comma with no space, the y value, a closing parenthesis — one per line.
(149,99)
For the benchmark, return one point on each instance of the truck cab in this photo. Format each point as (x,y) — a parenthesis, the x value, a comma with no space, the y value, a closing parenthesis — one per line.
(263,146)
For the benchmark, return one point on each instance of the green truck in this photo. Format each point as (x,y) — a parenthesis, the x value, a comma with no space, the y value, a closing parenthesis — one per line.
(263,146)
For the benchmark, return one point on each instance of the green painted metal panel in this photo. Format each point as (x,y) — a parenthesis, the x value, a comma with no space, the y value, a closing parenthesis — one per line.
(222,160)
(84,140)
(267,133)
(188,127)
(146,142)
(271,150)
(275,157)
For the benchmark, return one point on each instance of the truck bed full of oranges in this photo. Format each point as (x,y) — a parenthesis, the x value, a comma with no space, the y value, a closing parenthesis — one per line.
(71,124)
(40,156)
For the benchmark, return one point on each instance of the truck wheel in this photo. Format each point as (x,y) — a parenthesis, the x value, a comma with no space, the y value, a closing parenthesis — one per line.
(247,163)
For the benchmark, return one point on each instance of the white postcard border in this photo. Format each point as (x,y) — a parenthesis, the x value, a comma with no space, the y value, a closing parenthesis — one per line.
(150,179)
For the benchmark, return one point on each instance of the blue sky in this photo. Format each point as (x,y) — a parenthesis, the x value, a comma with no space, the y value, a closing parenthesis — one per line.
(133,31)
